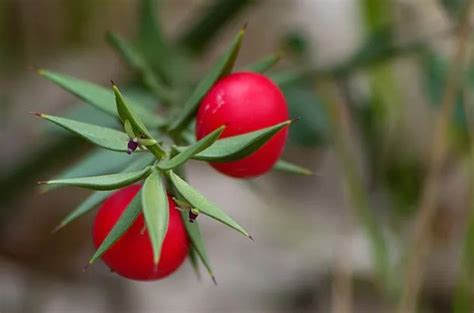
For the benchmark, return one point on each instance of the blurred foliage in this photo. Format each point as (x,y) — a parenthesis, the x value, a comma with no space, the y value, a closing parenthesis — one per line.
(454,7)
(311,128)
(435,68)
(211,20)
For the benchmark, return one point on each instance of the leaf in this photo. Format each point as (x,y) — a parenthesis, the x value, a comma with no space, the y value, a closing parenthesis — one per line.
(124,222)
(97,96)
(155,211)
(187,153)
(197,243)
(107,138)
(103,182)
(265,64)
(223,67)
(312,129)
(238,147)
(288,167)
(454,7)
(126,113)
(98,162)
(137,61)
(193,259)
(141,162)
(152,42)
(213,19)
(200,202)
(98,196)
(87,205)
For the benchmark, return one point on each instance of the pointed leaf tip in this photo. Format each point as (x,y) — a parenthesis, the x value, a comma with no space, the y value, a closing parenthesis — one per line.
(251,238)
(57,228)
(37,114)
(85,268)
(244,27)
(200,202)
(214,280)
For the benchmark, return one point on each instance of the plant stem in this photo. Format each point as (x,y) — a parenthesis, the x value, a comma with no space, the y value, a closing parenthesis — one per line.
(334,105)
(463,301)
(427,208)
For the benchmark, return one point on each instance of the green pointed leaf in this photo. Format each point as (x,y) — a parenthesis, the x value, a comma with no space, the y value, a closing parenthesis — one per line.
(223,67)
(197,243)
(155,211)
(187,153)
(107,138)
(200,202)
(99,162)
(193,259)
(103,182)
(265,64)
(97,96)
(138,62)
(98,196)
(87,205)
(238,147)
(124,222)
(126,113)
(285,166)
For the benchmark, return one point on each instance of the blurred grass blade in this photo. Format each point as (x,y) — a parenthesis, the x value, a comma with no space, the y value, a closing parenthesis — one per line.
(285,166)
(265,64)
(126,112)
(197,243)
(97,96)
(87,205)
(223,67)
(103,182)
(155,211)
(152,42)
(198,201)
(133,57)
(188,153)
(238,147)
(357,192)
(216,15)
(107,138)
(126,220)
(463,301)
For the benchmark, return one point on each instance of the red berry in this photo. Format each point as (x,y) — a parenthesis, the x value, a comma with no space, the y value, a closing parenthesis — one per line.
(245,102)
(132,255)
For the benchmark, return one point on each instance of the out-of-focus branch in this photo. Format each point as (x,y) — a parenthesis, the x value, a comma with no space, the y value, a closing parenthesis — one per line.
(429,197)
(359,198)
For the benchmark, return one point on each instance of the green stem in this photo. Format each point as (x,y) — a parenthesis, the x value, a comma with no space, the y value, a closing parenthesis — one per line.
(359,197)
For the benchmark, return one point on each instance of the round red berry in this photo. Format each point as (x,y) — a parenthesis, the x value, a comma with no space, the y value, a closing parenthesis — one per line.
(132,255)
(245,102)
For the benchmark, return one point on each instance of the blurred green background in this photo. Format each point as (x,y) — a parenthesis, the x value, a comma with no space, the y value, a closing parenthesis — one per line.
(366,78)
